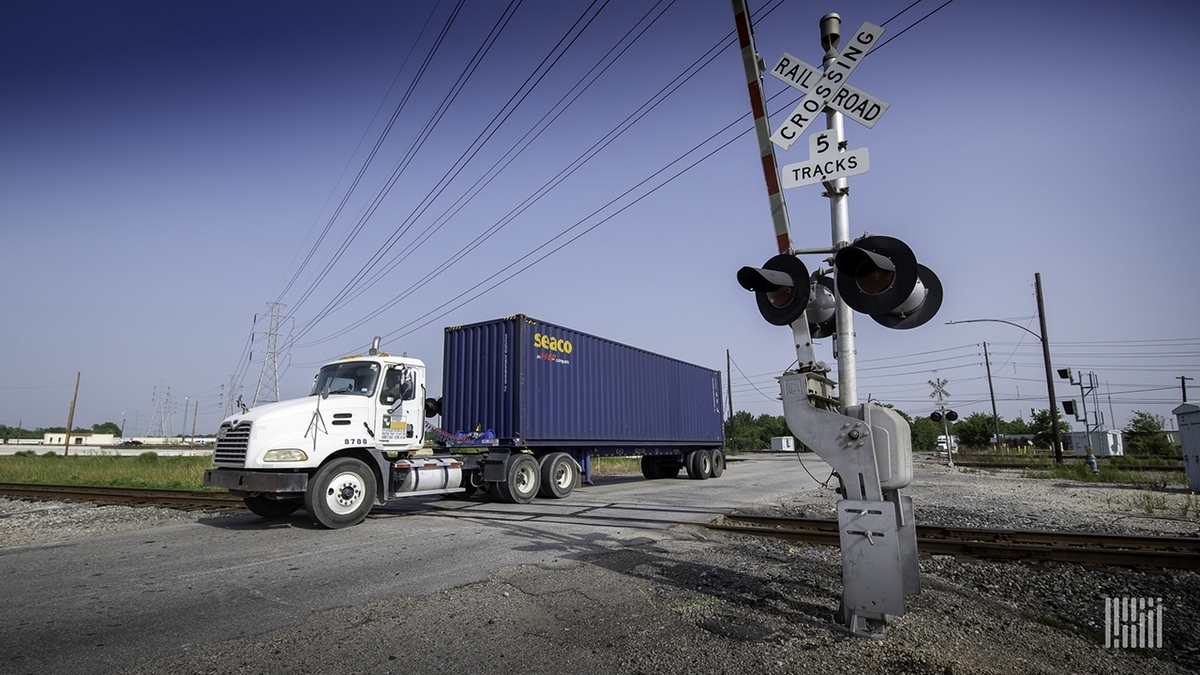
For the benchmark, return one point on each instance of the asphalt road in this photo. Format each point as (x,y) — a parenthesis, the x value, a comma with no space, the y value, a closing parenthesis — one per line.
(113,601)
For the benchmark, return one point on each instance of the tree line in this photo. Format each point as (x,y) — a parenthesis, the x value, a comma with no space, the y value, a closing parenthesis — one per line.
(1144,435)
(7,432)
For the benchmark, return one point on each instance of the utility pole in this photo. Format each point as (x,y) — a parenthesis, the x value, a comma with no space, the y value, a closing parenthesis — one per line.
(71,417)
(194,413)
(728,384)
(992,392)
(729,395)
(1056,436)
(1183,385)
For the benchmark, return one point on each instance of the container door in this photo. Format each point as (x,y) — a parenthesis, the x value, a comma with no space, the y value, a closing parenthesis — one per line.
(400,408)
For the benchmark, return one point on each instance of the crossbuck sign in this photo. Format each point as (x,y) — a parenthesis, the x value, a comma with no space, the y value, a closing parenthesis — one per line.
(828,88)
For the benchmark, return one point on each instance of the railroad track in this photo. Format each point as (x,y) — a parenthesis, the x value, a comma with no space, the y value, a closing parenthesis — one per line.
(1022,545)
(1044,466)
(188,500)
(960,542)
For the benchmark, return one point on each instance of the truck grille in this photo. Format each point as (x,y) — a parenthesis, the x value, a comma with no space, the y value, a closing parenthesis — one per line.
(231,444)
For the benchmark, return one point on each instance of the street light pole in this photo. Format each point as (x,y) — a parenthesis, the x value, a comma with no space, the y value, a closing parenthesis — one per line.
(1056,437)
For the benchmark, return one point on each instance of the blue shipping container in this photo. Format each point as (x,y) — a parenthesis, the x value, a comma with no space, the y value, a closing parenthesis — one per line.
(535,384)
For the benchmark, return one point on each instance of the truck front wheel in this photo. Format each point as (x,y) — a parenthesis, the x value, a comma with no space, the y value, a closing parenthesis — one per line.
(271,508)
(340,494)
(523,481)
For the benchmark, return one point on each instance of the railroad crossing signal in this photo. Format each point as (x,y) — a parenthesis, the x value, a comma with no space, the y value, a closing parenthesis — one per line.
(827,88)
(875,275)
(880,276)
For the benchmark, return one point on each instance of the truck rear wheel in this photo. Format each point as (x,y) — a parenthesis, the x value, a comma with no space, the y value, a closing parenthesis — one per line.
(559,475)
(271,508)
(699,464)
(523,480)
(340,494)
(718,463)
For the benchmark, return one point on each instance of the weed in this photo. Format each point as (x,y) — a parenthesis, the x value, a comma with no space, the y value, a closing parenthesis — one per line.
(1189,506)
(1150,502)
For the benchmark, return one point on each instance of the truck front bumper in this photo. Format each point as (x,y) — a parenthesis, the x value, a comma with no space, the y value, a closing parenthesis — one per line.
(256,481)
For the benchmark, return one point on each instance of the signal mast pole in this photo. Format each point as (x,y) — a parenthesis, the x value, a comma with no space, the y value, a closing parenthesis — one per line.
(839,215)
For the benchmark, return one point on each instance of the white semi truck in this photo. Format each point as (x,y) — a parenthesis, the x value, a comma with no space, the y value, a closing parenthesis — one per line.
(536,401)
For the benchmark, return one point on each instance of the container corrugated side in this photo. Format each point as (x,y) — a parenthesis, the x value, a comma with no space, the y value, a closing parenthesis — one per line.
(544,384)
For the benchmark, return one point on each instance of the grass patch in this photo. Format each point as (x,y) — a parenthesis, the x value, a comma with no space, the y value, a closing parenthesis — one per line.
(147,470)
(616,466)
(1109,473)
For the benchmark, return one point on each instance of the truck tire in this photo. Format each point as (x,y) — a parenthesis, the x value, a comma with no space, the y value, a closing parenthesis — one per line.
(340,494)
(559,475)
(523,479)
(652,469)
(271,508)
(718,463)
(699,464)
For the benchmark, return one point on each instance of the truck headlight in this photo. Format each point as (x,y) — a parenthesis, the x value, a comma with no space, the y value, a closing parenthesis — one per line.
(285,455)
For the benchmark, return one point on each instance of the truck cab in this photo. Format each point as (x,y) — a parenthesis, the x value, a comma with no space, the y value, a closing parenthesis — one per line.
(334,452)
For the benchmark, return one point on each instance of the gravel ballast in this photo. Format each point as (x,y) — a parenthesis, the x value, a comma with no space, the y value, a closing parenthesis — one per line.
(691,600)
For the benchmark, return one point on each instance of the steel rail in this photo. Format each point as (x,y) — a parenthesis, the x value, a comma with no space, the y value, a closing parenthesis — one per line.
(1024,545)
(127,496)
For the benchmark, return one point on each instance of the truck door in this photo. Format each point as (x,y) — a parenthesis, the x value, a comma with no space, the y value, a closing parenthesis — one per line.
(400,408)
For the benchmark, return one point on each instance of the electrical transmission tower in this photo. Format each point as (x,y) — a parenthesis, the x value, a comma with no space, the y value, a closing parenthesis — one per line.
(160,420)
(229,395)
(267,389)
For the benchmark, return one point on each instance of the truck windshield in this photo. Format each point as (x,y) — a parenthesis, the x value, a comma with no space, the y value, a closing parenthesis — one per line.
(352,377)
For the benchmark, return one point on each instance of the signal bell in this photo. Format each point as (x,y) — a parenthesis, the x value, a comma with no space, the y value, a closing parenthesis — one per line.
(780,286)
(880,276)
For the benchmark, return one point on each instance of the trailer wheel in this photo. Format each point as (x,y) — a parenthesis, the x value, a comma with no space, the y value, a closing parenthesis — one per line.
(523,478)
(652,469)
(699,464)
(340,494)
(718,463)
(559,475)
(260,505)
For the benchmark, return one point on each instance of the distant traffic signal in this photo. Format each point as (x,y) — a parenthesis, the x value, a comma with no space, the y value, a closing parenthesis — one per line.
(937,416)
(1069,407)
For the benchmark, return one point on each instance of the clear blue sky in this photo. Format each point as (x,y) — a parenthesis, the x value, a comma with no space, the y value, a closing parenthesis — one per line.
(167,168)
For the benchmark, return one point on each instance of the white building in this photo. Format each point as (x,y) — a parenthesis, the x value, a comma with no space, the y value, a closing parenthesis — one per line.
(81,438)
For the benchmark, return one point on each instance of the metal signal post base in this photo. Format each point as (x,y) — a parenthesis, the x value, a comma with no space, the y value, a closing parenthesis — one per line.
(869,448)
